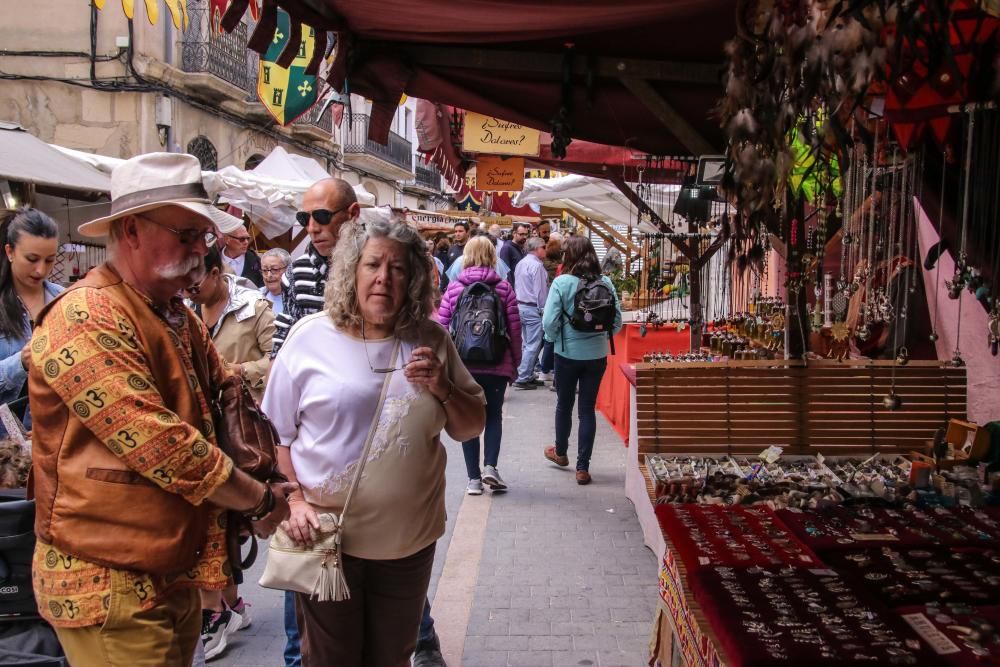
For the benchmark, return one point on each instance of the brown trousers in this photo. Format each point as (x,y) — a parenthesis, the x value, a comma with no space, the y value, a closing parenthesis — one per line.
(164,636)
(377,626)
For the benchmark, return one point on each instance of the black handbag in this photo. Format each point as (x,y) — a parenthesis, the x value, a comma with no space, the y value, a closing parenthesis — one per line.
(17,545)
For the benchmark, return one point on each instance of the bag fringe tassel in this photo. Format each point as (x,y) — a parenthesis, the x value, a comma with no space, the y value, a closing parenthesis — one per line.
(331,585)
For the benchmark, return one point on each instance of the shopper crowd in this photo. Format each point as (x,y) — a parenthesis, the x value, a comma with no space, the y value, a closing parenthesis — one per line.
(360,351)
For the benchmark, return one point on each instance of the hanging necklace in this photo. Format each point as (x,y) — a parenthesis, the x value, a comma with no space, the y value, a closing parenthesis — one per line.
(959,278)
(937,270)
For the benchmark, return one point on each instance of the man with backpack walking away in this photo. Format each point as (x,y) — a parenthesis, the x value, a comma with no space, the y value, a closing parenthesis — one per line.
(531,284)
(481,312)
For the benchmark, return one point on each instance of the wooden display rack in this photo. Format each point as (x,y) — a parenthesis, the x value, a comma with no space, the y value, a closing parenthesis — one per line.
(741,407)
(828,407)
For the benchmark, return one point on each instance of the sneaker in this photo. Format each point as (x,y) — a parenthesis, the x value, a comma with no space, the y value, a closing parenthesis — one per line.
(582,477)
(538,382)
(492,479)
(428,657)
(216,629)
(552,387)
(475,487)
(546,377)
(242,607)
(550,454)
(525,385)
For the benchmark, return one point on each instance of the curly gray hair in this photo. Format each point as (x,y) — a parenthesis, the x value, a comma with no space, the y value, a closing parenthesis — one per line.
(342,288)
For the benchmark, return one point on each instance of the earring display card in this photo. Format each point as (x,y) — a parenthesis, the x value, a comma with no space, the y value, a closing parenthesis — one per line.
(854,527)
(907,576)
(960,634)
(735,536)
(793,617)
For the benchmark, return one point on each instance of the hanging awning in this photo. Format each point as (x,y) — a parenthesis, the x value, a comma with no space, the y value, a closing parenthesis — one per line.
(638,73)
(27,159)
(596,198)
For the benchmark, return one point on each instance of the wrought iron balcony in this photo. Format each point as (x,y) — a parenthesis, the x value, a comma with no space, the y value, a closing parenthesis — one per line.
(313,124)
(357,147)
(427,177)
(224,55)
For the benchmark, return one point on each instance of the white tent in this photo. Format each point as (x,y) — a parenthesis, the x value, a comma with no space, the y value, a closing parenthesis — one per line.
(597,198)
(271,193)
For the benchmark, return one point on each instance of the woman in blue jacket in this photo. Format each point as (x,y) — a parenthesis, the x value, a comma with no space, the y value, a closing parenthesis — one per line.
(30,242)
(580,357)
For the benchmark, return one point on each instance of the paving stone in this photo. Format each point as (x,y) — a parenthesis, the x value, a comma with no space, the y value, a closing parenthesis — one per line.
(574,659)
(595,642)
(484,659)
(529,658)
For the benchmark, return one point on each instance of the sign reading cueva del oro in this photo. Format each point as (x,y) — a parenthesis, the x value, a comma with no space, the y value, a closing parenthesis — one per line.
(486,134)
(287,93)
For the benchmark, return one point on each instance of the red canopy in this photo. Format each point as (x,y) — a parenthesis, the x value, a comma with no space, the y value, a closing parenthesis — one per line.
(435,133)
(637,73)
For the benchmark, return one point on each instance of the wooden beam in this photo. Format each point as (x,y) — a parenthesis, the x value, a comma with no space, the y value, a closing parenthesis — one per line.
(686,248)
(609,241)
(552,63)
(627,242)
(674,122)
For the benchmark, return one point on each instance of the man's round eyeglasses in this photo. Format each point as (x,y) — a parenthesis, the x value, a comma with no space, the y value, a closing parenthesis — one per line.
(188,236)
(322,216)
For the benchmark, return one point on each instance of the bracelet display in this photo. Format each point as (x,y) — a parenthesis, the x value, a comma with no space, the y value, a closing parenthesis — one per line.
(264,507)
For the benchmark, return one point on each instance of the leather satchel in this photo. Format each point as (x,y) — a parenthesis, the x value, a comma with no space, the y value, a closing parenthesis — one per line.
(246,435)
(318,569)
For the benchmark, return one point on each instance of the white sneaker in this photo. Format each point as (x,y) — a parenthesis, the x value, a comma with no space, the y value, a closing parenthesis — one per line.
(475,487)
(242,608)
(216,628)
(492,479)
(546,377)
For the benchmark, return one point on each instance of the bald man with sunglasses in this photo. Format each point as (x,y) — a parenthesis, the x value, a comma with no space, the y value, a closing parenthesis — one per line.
(326,206)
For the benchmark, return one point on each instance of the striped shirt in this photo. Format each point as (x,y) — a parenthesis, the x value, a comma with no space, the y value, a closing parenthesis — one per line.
(302,289)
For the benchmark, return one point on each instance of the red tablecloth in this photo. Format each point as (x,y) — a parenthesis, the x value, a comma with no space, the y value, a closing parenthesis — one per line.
(613,397)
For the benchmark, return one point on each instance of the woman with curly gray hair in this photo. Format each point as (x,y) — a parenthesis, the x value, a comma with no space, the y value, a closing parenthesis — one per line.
(323,395)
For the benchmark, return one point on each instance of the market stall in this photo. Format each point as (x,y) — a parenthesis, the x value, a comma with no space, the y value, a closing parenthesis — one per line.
(632,343)
(843,537)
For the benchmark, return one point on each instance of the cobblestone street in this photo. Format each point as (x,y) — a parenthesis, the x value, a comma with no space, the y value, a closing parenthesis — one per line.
(551,573)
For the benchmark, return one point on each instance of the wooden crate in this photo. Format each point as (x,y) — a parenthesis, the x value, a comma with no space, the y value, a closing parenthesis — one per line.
(836,408)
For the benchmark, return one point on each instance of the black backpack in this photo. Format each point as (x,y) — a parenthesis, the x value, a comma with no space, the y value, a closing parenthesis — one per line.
(594,308)
(479,325)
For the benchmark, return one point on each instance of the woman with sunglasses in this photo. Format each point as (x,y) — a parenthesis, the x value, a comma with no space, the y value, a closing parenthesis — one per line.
(375,335)
(30,242)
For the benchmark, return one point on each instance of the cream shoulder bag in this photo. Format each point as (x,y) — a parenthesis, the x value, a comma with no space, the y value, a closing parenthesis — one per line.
(317,570)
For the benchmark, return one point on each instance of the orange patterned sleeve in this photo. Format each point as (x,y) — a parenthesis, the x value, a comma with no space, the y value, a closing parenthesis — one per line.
(90,356)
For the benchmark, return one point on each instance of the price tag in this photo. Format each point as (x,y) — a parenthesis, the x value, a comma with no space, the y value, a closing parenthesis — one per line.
(771,454)
(937,639)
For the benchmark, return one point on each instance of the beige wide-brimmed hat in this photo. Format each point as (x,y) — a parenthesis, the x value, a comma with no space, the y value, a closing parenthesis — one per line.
(154,180)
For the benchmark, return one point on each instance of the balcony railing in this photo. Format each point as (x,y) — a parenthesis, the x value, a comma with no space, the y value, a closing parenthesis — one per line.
(224,55)
(312,117)
(427,177)
(398,151)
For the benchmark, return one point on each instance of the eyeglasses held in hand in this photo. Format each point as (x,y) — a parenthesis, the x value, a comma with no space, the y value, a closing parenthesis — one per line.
(188,236)
(322,216)
(380,371)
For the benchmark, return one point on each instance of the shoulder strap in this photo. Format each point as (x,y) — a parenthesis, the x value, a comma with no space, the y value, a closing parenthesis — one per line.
(371,434)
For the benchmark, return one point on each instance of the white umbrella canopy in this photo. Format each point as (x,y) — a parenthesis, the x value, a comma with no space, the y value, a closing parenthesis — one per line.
(271,193)
(598,198)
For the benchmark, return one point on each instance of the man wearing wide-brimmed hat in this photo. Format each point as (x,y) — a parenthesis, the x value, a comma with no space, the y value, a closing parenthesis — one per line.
(129,483)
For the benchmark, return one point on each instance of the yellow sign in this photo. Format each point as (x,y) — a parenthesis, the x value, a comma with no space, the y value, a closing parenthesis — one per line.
(497,174)
(486,134)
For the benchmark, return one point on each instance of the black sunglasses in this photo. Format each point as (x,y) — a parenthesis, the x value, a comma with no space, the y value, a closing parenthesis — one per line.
(321,215)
